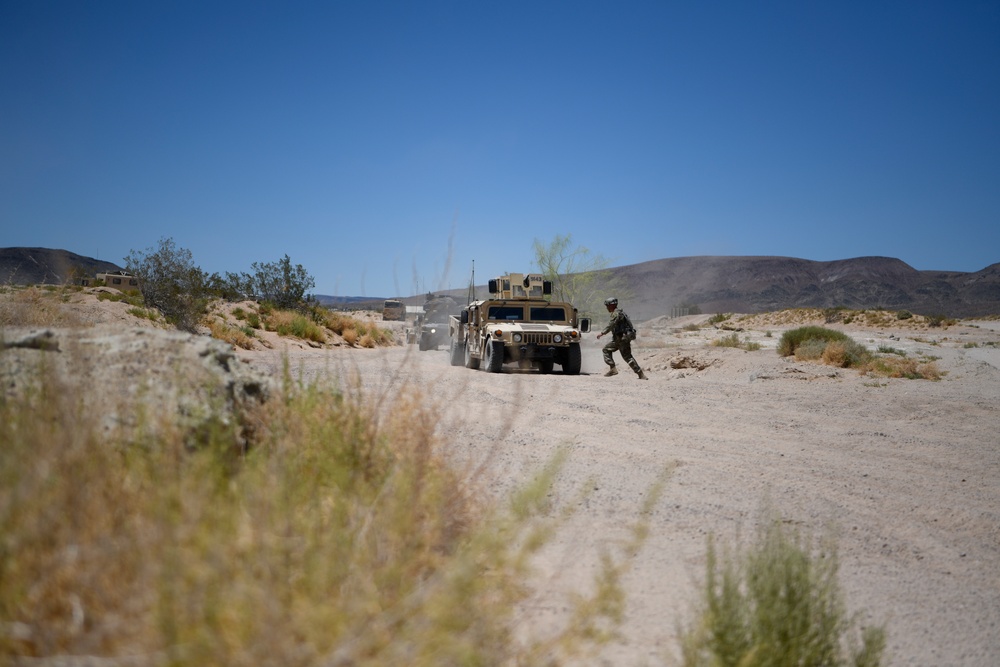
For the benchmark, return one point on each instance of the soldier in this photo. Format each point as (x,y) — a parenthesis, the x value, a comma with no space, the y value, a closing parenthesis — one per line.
(620,328)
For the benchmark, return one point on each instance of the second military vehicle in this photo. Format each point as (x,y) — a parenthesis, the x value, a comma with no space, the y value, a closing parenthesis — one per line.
(518,324)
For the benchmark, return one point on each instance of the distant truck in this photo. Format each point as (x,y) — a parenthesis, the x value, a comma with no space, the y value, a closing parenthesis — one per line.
(393,310)
(517,324)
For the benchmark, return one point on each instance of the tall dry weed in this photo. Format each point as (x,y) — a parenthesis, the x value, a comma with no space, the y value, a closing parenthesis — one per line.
(34,307)
(341,537)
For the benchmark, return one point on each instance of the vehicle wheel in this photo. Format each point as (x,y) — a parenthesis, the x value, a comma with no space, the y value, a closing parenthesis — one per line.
(457,353)
(470,361)
(494,356)
(546,366)
(574,360)
(422,345)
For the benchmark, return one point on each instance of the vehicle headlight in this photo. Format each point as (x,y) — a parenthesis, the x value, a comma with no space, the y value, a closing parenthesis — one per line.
(517,338)
(557,338)
(433,330)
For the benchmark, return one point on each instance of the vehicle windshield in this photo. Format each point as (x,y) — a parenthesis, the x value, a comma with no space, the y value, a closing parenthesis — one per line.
(548,314)
(508,313)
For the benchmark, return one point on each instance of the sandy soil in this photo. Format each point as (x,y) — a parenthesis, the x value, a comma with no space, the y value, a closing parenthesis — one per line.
(906,472)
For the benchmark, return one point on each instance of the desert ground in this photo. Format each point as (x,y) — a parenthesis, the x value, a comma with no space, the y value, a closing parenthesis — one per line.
(905,473)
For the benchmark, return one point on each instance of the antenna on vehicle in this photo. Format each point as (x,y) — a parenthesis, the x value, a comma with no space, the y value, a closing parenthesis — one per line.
(471,296)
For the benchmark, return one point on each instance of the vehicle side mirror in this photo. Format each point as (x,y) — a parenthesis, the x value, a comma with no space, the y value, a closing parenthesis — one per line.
(585,325)
(492,286)
(464,318)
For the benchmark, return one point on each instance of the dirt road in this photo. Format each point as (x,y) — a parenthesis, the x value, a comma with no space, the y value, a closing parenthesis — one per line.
(906,472)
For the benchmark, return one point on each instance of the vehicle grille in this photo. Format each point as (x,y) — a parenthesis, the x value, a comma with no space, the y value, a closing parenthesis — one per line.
(537,338)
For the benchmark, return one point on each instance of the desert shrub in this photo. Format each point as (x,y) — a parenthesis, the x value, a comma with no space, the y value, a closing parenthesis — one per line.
(835,314)
(292,323)
(904,315)
(845,354)
(131,297)
(341,537)
(170,282)
(732,340)
(810,350)
(777,603)
(232,335)
(894,367)
(144,313)
(888,349)
(793,338)
(719,318)
(350,335)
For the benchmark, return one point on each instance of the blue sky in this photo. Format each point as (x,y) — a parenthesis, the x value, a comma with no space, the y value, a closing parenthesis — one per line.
(385,146)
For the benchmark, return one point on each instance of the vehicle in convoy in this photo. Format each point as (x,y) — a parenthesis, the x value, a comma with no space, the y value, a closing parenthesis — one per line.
(393,309)
(430,331)
(518,324)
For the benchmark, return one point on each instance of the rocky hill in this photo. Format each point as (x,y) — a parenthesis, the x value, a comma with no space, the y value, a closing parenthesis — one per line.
(760,284)
(46,266)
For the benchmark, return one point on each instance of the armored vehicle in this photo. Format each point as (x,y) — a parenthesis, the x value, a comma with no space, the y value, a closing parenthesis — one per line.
(431,327)
(518,324)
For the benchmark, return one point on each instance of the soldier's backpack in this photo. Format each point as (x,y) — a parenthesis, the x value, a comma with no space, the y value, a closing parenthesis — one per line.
(625,328)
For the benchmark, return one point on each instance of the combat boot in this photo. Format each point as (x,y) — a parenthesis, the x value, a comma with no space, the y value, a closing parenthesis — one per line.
(642,376)
(611,371)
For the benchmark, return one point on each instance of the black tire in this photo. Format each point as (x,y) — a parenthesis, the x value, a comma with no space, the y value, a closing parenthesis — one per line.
(470,361)
(574,360)
(494,356)
(545,366)
(457,353)
(423,345)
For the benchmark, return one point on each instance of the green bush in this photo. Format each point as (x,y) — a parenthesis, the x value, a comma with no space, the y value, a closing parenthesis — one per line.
(779,603)
(793,338)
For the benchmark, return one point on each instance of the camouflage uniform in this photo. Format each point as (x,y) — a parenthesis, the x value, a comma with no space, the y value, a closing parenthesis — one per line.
(619,342)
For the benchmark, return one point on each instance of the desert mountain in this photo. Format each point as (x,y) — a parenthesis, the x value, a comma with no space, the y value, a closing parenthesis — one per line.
(712,284)
(760,284)
(45,266)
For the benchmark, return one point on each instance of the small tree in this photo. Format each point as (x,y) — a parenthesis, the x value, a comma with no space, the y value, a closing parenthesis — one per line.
(280,284)
(170,282)
(577,275)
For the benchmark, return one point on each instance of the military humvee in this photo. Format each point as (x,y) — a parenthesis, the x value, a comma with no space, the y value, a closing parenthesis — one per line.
(518,324)
(393,309)
(431,327)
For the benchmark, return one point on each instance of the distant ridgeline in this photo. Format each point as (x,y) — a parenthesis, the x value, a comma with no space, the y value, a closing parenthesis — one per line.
(45,266)
(728,284)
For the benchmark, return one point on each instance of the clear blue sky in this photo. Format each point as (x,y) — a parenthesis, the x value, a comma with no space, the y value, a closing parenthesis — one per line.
(385,146)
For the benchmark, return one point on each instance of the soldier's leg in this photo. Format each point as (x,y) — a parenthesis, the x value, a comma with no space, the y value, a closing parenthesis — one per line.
(626,349)
(608,359)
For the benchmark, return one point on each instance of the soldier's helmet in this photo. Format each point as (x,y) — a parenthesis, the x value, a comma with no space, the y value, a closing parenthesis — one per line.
(611,302)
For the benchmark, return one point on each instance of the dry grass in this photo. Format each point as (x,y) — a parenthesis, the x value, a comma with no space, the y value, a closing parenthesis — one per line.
(36,307)
(873,318)
(340,537)
(901,367)
(234,336)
